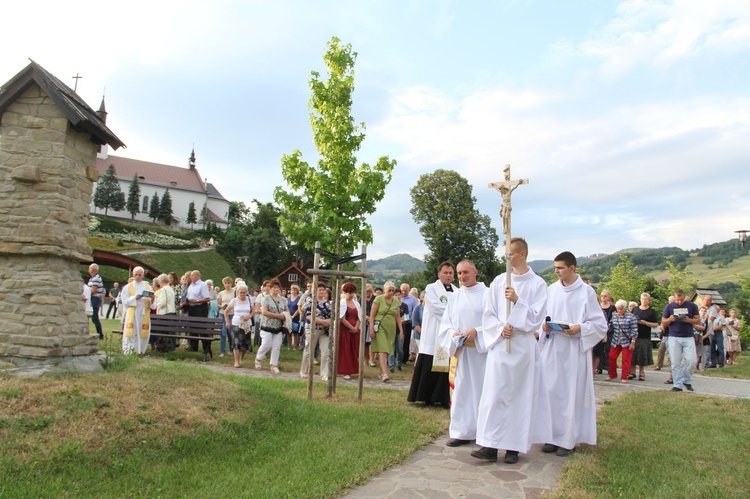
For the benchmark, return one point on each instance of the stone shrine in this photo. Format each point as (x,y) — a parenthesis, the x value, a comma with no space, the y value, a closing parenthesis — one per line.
(49,139)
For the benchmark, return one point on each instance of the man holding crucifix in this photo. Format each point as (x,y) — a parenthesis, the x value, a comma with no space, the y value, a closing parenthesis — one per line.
(509,412)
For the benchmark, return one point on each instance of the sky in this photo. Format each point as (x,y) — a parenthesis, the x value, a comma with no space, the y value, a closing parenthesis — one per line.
(630,119)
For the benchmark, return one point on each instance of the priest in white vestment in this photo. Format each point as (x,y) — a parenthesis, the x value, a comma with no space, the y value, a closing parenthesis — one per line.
(510,416)
(459,326)
(136,301)
(578,324)
(429,383)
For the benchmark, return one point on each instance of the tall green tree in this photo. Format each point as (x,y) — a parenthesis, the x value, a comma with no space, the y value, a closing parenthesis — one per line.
(191,215)
(452,228)
(165,208)
(336,194)
(133,203)
(108,193)
(154,207)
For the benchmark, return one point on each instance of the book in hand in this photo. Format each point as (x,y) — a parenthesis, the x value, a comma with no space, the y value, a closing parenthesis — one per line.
(558,326)
(147,293)
(680,313)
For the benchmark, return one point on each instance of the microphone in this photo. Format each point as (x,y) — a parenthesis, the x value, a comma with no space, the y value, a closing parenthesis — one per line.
(548,319)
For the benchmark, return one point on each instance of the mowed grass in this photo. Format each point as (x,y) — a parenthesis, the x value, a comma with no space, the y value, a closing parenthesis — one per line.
(174,430)
(210,263)
(739,370)
(656,444)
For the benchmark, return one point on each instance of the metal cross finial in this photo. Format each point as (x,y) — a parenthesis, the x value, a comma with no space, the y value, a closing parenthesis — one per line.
(76,78)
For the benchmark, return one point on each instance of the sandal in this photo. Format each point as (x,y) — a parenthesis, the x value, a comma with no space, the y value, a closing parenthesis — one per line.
(669,381)
(384,378)
(641,378)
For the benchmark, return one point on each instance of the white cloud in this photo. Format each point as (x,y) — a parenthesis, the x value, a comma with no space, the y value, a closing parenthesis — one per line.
(658,34)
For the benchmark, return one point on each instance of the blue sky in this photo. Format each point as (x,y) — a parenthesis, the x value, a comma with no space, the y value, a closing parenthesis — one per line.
(630,119)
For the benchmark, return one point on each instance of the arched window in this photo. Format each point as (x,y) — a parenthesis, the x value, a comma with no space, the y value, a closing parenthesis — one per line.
(144,208)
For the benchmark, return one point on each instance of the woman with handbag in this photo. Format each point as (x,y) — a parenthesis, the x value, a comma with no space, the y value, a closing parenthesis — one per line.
(385,321)
(734,345)
(272,321)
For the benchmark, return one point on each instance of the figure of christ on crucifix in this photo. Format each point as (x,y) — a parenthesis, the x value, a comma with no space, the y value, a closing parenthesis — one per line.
(506,188)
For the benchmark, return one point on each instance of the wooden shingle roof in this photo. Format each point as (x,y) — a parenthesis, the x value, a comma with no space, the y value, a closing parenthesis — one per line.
(81,117)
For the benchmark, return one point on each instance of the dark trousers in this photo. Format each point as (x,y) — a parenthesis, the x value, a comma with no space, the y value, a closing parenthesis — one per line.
(112,305)
(199,311)
(717,347)
(407,340)
(96,304)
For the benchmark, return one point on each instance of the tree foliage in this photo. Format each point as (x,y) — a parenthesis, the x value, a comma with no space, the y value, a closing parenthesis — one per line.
(625,282)
(336,195)
(133,203)
(258,237)
(165,208)
(452,228)
(108,194)
(191,215)
(154,207)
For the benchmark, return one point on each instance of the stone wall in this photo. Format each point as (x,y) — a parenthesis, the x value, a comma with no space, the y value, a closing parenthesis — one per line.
(46,175)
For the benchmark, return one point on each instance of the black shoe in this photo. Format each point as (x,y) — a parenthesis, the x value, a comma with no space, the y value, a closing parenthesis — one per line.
(485,453)
(675,389)
(689,387)
(563,452)
(710,367)
(549,448)
(392,370)
(511,457)
(457,442)
(631,376)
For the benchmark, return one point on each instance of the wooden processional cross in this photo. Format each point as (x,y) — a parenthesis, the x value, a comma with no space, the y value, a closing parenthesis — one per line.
(506,188)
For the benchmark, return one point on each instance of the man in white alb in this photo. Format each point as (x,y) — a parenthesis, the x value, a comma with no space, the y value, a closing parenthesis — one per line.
(509,414)
(458,331)
(575,324)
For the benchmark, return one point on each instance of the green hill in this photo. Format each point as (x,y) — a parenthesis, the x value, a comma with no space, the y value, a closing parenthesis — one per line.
(393,267)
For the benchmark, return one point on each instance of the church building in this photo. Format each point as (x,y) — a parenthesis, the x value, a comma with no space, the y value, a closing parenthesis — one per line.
(185,186)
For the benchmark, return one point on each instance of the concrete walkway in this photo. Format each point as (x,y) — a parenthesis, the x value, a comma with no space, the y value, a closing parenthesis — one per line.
(437,471)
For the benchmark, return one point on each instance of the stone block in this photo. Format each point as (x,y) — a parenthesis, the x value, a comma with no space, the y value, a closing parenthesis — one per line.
(47,300)
(33,341)
(33,122)
(92,173)
(27,173)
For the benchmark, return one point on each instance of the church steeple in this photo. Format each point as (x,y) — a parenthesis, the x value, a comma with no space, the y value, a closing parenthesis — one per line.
(102,112)
(103,151)
(191,161)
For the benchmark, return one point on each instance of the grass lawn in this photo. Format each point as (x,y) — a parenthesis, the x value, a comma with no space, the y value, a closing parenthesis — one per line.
(174,430)
(739,370)
(656,444)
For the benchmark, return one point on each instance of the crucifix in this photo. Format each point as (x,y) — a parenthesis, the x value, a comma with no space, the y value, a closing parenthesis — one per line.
(76,78)
(506,188)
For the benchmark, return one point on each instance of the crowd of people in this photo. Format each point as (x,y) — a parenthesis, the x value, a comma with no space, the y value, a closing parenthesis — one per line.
(515,362)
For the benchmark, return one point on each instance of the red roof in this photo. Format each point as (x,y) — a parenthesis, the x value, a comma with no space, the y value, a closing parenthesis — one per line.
(153,173)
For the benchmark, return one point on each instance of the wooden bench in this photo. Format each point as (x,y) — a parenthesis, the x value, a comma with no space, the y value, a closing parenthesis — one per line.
(182,327)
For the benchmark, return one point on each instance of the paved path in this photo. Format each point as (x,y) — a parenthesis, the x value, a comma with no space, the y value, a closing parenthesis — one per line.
(437,471)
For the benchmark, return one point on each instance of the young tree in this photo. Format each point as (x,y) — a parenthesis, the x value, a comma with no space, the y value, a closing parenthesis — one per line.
(336,195)
(108,193)
(153,209)
(203,219)
(165,208)
(191,216)
(452,228)
(625,282)
(133,203)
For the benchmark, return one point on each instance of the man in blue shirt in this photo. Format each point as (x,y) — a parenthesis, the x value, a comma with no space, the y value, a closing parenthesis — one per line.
(680,316)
